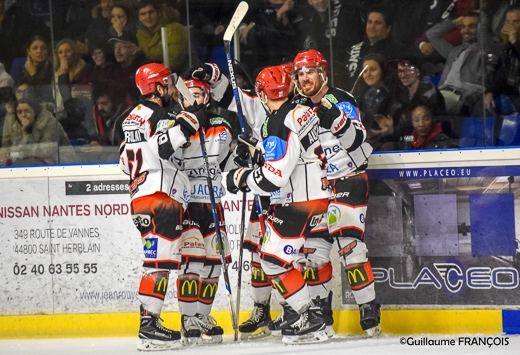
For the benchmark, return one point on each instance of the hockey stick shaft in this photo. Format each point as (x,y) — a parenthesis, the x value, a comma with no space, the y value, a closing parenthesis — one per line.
(216,220)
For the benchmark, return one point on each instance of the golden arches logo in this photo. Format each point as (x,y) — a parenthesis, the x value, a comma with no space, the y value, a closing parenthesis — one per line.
(212,290)
(352,276)
(257,274)
(162,285)
(310,274)
(191,285)
(277,283)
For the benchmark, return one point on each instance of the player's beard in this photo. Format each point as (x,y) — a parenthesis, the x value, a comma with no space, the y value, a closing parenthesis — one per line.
(166,100)
(311,87)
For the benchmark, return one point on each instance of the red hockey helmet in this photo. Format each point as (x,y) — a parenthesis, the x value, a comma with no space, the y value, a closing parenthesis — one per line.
(310,59)
(149,75)
(273,82)
(201,84)
(287,67)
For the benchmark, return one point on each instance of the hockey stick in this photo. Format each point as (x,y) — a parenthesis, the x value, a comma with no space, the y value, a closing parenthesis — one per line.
(234,320)
(237,18)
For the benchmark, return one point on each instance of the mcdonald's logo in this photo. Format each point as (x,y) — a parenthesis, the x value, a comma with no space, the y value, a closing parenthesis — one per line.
(257,274)
(191,286)
(212,288)
(278,284)
(352,276)
(161,285)
(311,273)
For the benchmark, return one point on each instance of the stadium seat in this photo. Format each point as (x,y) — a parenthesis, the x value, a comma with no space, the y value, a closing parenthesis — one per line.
(510,131)
(477,132)
(219,57)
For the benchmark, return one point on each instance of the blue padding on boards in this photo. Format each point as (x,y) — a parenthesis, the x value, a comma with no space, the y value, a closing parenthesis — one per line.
(492,219)
(511,321)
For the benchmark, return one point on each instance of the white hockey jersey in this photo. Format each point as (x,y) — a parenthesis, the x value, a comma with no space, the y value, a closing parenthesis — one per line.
(350,152)
(217,138)
(294,165)
(147,153)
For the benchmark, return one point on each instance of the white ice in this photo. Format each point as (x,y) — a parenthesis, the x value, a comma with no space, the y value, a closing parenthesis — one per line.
(344,345)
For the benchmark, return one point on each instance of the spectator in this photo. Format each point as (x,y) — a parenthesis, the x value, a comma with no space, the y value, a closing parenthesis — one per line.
(462,76)
(73,94)
(149,37)
(380,111)
(110,110)
(345,19)
(34,124)
(129,58)
(38,70)
(503,83)
(416,89)
(100,24)
(7,103)
(378,29)
(122,21)
(427,132)
(103,65)
(273,33)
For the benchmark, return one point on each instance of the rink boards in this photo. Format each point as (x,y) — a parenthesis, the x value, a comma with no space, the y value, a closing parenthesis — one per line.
(71,262)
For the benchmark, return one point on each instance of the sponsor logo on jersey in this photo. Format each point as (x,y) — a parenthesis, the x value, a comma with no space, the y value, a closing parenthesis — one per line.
(141,220)
(203,190)
(331,168)
(201,172)
(267,235)
(216,245)
(362,218)
(135,183)
(290,250)
(315,220)
(275,219)
(272,169)
(222,137)
(150,248)
(333,215)
(356,276)
(341,194)
(189,287)
(453,278)
(348,249)
(209,290)
(219,120)
(192,242)
(349,109)
(329,151)
(161,284)
(331,98)
(274,148)
(132,119)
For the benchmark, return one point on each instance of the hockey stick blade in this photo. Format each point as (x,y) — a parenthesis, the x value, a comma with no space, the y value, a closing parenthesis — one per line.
(183,89)
(237,18)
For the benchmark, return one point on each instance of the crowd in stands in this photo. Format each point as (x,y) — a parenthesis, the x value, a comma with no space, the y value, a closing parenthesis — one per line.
(419,69)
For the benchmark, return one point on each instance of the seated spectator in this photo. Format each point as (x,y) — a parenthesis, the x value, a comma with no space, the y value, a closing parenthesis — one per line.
(378,29)
(129,58)
(73,95)
(345,19)
(503,83)
(7,103)
(110,110)
(427,132)
(273,34)
(122,21)
(99,27)
(462,76)
(38,71)
(416,89)
(34,124)
(103,63)
(380,111)
(149,37)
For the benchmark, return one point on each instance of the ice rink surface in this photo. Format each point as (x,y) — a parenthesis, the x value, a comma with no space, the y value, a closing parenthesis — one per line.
(344,345)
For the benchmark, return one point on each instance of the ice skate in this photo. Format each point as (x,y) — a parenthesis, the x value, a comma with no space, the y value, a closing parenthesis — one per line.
(286,317)
(211,333)
(325,306)
(190,331)
(256,326)
(153,336)
(370,316)
(309,328)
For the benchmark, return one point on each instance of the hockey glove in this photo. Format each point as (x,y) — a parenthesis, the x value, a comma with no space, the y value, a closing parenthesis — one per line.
(332,118)
(199,110)
(209,72)
(248,147)
(188,122)
(236,179)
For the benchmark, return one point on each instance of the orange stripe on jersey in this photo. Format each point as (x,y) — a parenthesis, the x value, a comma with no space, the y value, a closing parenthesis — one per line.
(154,284)
(288,283)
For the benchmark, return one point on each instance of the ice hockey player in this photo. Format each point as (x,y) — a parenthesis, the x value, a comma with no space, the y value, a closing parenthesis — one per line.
(159,192)
(198,282)
(295,166)
(342,136)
